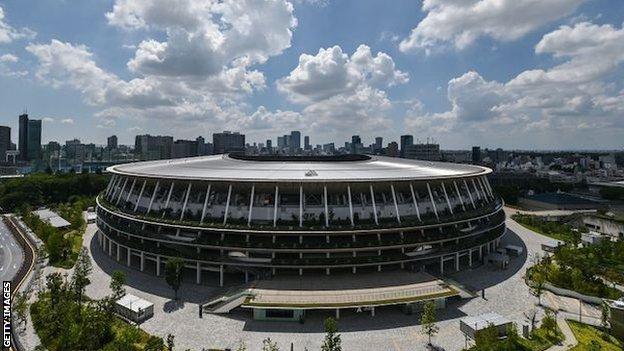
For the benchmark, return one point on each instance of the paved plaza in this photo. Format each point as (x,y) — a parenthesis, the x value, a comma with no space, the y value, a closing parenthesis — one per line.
(390,329)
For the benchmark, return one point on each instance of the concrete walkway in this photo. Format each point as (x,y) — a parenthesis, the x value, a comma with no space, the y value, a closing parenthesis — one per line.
(569,341)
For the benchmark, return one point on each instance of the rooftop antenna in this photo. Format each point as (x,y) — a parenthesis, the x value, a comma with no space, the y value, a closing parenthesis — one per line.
(25,110)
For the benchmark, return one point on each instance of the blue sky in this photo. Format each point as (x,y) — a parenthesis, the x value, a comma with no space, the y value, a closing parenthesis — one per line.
(505,73)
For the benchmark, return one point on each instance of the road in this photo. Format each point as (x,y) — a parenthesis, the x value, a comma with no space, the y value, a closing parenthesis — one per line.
(11,255)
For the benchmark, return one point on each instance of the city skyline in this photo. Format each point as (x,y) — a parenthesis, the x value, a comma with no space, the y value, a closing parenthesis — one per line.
(324,73)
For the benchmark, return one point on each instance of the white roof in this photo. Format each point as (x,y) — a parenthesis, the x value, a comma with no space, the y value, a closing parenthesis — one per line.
(227,168)
(134,303)
(483,321)
(52,218)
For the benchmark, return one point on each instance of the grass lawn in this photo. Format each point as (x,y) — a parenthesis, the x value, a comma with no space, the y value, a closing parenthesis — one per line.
(586,334)
(557,236)
(540,340)
(75,236)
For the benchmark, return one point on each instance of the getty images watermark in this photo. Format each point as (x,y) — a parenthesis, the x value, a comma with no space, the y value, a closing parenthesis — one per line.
(6,315)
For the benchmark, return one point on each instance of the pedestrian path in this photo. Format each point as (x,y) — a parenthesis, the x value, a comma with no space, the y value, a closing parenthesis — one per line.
(569,341)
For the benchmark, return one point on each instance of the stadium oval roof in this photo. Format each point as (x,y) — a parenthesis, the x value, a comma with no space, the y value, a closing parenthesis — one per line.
(346,168)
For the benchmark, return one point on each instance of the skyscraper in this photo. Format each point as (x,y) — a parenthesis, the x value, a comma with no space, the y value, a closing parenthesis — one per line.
(306,143)
(406,140)
(5,142)
(378,144)
(22,143)
(148,147)
(111,142)
(356,144)
(34,139)
(295,141)
(476,154)
(228,142)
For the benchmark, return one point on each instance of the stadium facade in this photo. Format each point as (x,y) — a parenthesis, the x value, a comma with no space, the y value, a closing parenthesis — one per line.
(278,215)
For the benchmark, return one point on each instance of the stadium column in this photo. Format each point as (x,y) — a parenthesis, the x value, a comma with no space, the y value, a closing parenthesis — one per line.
(227,204)
(198,273)
(158,265)
(396,205)
(461,200)
(457,261)
(275,201)
(476,189)
(441,265)
(149,207)
(110,247)
(121,191)
(300,209)
(326,207)
(470,258)
(136,205)
(354,268)
(131,188)
(115,188)
(251,201)
(448,202)
(205,204)
(110,185)
(118,252)
(485,194)
(128,256)
(169,195)
(220,275)
(435,210)
(415,201)
(188,192)
(469,194)
(350,206)
(142,261)
(373,201)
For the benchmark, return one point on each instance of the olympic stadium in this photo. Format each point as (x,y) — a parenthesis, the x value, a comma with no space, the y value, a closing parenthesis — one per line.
(265,217)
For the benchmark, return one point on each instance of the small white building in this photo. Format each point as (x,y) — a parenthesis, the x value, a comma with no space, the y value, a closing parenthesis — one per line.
(52,218)
(134,308)
(592,238)
(471,326)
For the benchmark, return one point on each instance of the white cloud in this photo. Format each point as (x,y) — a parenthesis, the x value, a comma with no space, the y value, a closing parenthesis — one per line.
(461,22)
(48,119)
(205,38)
(342,94)
(562,99)
(67,121)
(9,33)
(332,72)
(9,58)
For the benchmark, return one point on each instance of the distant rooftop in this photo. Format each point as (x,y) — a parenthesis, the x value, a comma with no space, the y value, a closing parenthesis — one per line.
(52,218)
(561,199)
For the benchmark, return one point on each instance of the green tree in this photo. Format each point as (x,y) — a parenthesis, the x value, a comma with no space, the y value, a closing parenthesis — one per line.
(80,276)
(549,323)
(20,306)
(487,339)
(118,280)
(173,274)
(537,279)
(332,338)
(428,320)
(170,342)
(269,345)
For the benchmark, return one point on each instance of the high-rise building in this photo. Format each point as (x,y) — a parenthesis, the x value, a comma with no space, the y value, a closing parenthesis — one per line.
(22,143)
(34,139)
(378,145)
(201,146)
(184,148)
(393,149)
(476,154)
(295,141)
(306,143)
(148,147)
(269,145)
(406,140)
(5,142)
(356,144)
(111,142)
(428,152)
(228,142)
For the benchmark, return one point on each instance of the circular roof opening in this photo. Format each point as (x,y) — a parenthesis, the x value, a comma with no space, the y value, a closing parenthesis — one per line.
(300,158)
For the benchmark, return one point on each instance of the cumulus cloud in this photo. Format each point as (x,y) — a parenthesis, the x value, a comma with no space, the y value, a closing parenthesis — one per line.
(461,22)
(204,38)
(9,33)
(8,58)
(332,72)
(67,121)
(341,92)
(565,97)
